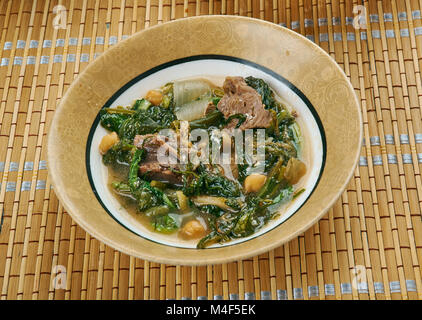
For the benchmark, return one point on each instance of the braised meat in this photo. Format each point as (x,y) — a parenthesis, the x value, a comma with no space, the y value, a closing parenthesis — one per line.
(239,98)
(150,166)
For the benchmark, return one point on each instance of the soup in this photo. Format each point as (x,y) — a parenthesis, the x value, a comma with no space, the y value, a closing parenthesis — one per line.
(204,160)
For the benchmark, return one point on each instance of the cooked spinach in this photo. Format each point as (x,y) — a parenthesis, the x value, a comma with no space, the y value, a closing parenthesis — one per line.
(211,209)
(145,121)
(242,169)
(264,90)
(141,104)
(112,121)
(236,224)
(119,154)
(240,119)
(166,223)
(214,118)
(210,184)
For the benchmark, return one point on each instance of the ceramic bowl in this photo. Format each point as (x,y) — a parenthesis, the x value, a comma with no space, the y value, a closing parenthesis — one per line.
(300,72)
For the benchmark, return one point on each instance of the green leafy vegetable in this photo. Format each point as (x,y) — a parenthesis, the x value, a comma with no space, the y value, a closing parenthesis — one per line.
(252,216)
(213,118)
(264,90)
(167,223)
(151,120)
(142,104)
(156,211)
(210,184)
(216,100)
(112,121)
(121,188)
(242,169)
(273,179)
(240,116)
(211,209)
(121,153)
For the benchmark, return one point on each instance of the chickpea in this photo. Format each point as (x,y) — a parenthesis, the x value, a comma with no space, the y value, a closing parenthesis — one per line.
(193,229)
(254,182)
(108,141)
(154,96)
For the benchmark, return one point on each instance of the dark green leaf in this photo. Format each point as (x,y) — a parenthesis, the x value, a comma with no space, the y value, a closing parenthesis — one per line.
(112,121)
(210,184)
(213,118)
(121,153)
(151,120)
(167,223)
(142,104)
(264,90)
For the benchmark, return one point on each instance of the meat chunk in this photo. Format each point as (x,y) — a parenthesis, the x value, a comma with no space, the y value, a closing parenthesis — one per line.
(151,167)
(239,98)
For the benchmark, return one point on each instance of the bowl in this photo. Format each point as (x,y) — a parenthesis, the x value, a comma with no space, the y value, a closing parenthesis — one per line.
(299,71)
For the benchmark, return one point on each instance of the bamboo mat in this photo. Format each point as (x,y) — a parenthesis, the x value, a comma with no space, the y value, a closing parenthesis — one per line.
(368,246)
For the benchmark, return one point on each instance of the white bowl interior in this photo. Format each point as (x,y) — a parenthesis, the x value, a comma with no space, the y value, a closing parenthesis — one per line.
(215,69)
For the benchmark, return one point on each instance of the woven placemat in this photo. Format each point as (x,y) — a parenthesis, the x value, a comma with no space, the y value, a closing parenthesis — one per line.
(368,246)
